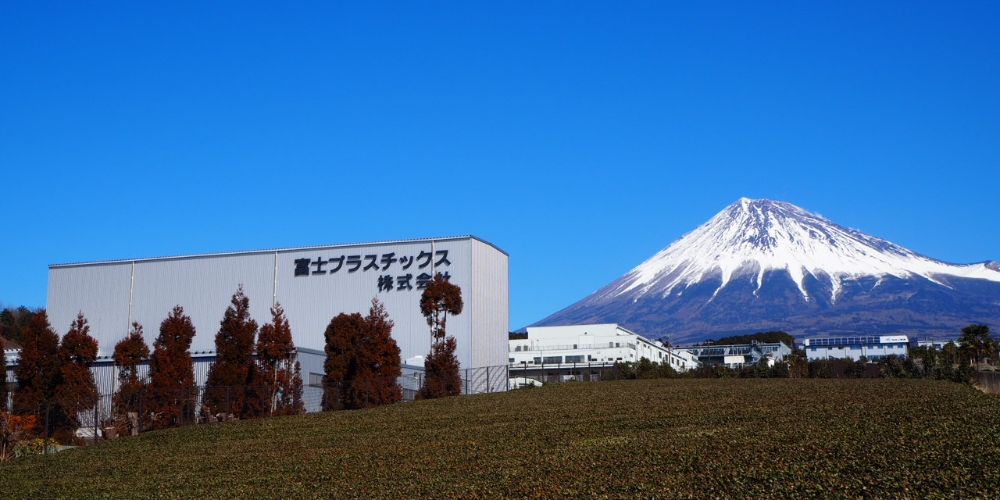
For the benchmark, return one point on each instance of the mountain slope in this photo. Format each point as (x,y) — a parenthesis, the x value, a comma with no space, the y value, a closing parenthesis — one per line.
(768,265)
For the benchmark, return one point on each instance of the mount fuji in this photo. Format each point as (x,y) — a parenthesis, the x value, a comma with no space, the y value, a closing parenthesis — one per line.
(762,265)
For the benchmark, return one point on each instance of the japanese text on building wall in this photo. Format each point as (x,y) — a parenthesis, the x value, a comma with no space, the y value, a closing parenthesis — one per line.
(382,264)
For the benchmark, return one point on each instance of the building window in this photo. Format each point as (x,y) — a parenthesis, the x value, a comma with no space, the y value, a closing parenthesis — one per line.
(315,380)
(537,361)
(555,360)
(510,360)
(574,359)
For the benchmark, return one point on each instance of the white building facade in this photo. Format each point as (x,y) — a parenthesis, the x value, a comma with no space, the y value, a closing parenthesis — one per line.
(869,347)
(740,355)
(312,284)
(551,350)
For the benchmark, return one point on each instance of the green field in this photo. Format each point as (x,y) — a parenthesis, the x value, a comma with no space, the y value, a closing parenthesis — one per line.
(741,438)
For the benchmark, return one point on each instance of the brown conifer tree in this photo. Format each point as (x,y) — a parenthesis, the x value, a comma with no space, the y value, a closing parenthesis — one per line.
(130,352)
(229,383)
(37,369)
(340,366)
(363,362)
(296,404)
(441,368)
(276,368)
(381,364)
(171,372)
(75,391)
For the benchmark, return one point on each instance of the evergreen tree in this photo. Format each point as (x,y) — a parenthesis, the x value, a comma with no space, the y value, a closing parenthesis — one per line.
(37,369)
(977,343)
(171,372)
(363,361)
(341,362)
(277,368)
(229,383)
(13,320)
(380,363)
(296,404)
(130,352)
(75,391)
(441,368)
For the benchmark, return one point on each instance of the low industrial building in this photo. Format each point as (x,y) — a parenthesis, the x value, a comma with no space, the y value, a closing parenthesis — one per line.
(583,352)
(312,284)
(738,355)
(868,347)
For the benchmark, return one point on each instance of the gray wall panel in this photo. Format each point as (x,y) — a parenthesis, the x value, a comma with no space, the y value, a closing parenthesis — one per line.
(203,286)
(101,292)
(312,301)
(489,305)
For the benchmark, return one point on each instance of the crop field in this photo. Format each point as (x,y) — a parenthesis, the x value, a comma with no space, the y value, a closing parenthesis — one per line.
(691,438)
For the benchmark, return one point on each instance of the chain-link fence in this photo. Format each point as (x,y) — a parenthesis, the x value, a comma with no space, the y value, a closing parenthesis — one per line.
(52,425)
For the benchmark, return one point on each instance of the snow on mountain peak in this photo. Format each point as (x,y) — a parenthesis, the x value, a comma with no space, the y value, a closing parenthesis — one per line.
(751,237)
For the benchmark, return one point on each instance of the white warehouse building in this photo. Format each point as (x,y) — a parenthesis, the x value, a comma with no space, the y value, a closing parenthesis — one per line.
(583,350)
(869,347)
(312,284)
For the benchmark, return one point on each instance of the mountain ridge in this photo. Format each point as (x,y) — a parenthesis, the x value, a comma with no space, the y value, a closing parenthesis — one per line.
(781,267)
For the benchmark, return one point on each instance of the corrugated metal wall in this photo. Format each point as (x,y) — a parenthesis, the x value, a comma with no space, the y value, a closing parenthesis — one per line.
(489,309)
(100,291)
(203,286)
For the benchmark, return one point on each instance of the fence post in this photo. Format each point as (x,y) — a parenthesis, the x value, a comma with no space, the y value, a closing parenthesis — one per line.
(97,402)
(139,423)
(45,444)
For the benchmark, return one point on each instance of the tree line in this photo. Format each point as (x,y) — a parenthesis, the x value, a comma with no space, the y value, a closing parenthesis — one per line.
(254,374)
(956,361)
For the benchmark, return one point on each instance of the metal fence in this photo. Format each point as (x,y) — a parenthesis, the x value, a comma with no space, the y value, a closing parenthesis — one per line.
(116,414)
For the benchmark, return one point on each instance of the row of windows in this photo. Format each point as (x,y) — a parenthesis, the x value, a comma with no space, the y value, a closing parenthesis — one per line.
(519,348)
(558,360)
(859,346)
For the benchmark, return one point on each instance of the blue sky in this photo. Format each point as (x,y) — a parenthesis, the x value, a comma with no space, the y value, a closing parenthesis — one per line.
(580,137)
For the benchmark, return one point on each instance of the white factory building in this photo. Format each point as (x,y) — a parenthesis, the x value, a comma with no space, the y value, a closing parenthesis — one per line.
(582,351)
(737,356)
(869,347)
(312,284)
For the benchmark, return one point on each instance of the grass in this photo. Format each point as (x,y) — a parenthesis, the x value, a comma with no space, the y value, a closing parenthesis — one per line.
(734,438)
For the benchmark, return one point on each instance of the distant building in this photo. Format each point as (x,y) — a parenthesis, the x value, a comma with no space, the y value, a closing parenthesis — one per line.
(869,347)
(738,355)
(935,344)
(585,351)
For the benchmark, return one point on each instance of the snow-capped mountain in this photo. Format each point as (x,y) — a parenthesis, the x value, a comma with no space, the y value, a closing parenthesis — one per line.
(768,265)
